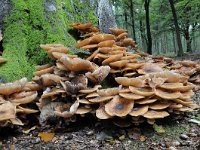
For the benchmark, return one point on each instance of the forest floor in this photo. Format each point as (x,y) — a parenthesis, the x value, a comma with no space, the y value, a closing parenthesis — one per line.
(173,133)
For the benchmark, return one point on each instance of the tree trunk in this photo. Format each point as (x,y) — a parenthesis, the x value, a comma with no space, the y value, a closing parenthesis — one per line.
(188,39)
(178,37)
(148,28)
(174,42)
(125,18)
(132,19)
(106,16)
(143,37)
(34,22)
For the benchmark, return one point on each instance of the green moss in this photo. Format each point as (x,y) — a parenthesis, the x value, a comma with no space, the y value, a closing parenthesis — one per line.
(31,24)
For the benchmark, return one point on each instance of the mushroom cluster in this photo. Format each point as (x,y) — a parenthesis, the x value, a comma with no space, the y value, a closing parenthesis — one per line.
(17,99)
(143,87)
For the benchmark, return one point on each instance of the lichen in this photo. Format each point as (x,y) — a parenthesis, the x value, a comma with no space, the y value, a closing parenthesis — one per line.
(32,23)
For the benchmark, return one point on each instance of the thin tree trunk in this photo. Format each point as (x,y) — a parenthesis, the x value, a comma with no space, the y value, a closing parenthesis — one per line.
(149,39)
(125,18)
(178,37)
(144,41)
(174,42)
(132,19)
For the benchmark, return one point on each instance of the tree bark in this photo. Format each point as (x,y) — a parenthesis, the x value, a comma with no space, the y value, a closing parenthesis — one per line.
(132,19)
(178,37)
(143,37)
(148,28)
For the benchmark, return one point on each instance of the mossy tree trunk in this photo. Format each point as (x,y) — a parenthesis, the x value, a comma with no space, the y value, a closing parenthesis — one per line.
(34,22)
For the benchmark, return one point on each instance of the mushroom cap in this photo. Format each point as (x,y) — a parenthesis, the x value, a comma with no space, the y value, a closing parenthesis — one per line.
(32,86)
(138,111)
(92,95)
(188,63)
(91,57)
(168,95)
(10,88)
(136,82)
(144,91)
(76,64)
(99,74)
(119,64)
(102,37)
(149,68)
(186,95)
(116,31)
(101,113)
(187,103)
(81,26)
(112,58)
(84,101)
(52,93)
(134,66)
(105,50)
(145,101)
(159,105)
(41,67)
(175,105)
(7,111)
(177,86)
(26,99)
(90,46)
(27,110)
(47,47)
(100,99)
(151,114)
(121,37)
(50,79)
(83,110)
(170,76)
(108,43)
(44,71)
(119,106)
(108,92)
(131,96)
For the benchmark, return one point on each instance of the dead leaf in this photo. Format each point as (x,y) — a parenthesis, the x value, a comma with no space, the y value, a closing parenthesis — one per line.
(142,138)
(26,131)
(46,136)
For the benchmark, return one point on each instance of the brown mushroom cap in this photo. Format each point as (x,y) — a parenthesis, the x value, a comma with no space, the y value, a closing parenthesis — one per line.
(136,82)
(27,110)
(119,64)
(145,101)
(76,64)
(90,90)
(144,91)
(108,92)
(177,86)
(159,105)
(7,111)
(119,107)
(99,74)
(149,68)
(47,47)
(2,60)
(151,114)
(9,88)
(117,31)
(26,99)
(138,111)
(44,71)
(112,58)
(168,95)
(131,96)
(134,66)
(101,113)
(41,67)
(100,99)
(108,43)
(83,110)
(186,95)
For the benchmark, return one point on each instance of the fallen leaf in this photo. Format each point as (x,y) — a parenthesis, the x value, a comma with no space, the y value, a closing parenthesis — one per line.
(26,131)
(159,129)
(142,138)
(46,136)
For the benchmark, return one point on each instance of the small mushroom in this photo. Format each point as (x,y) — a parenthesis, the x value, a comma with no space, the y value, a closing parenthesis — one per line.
(151,114)
(139,111)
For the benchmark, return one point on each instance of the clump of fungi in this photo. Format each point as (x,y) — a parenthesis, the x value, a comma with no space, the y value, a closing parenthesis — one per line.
(144,87)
